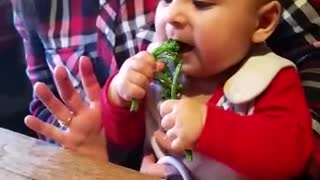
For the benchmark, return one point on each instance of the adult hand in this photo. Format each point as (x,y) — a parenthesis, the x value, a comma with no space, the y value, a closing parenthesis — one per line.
(163,170)
(84,132)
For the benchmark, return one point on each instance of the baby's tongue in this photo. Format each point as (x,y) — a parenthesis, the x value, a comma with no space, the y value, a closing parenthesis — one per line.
(184,47)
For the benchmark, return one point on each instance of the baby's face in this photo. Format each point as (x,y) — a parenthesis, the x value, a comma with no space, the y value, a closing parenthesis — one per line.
(216,34)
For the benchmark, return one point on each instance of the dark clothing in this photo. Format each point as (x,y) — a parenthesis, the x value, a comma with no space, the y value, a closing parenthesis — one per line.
(15,89)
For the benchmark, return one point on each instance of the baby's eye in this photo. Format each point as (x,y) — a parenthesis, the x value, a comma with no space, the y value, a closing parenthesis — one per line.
(202,4)
(167,1)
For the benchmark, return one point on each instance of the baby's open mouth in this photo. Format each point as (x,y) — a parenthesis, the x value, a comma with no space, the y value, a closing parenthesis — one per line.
(184,47)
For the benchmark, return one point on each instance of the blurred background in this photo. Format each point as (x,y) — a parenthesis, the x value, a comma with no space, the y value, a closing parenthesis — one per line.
(15,88)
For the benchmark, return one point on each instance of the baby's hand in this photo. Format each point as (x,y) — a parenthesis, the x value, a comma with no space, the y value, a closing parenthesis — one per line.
(183,121)
(133,78)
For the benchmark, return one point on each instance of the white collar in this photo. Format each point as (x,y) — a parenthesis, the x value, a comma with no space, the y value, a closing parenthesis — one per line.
(254,76)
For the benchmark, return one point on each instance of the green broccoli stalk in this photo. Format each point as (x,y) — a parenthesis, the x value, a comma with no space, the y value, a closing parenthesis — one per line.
(167,53)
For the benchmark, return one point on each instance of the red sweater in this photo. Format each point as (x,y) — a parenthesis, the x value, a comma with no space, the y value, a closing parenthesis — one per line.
(273,143)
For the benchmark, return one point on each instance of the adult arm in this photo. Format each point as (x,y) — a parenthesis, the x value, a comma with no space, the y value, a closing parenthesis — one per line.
(37,68)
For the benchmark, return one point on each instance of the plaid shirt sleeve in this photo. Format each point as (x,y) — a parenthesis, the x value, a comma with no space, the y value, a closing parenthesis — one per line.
(37,69)
(55,33)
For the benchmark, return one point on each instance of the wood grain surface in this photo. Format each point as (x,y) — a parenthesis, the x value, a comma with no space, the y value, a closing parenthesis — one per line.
(25,158)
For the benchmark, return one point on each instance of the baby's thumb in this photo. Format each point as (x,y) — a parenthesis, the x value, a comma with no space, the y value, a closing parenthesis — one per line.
(178,145)
(159,66)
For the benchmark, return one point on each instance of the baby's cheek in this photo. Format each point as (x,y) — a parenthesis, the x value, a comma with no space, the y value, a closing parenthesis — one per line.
(160,35)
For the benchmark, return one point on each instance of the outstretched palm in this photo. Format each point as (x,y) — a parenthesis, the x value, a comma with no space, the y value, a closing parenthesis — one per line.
(84,134)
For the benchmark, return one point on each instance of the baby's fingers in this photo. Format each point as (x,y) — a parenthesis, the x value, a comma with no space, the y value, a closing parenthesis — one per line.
(131,91)
(159,66)
(179,142)
(139,79)
(165,142)
(178,145)
(144,63)
(167,107)
(168,122)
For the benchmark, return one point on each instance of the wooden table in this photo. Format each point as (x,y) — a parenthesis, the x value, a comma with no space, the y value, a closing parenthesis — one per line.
(25,158)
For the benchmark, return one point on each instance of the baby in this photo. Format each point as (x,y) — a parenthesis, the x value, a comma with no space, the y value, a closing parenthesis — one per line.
(242,111)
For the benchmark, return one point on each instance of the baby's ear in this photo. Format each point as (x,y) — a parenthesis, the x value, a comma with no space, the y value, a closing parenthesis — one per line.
(268,19)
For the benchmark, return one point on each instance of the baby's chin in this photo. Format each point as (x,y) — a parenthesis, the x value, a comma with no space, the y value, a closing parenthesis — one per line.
(194,72)
(191,71)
